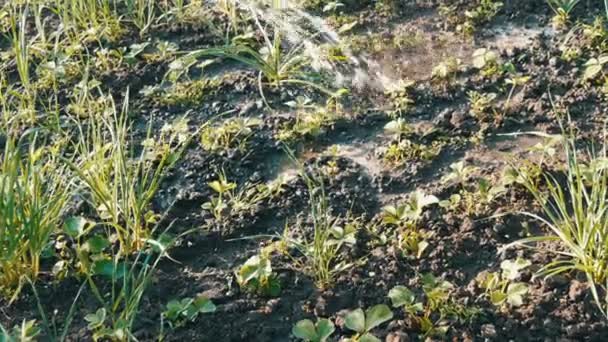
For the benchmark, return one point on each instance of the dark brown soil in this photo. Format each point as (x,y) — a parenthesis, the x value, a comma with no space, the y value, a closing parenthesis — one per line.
(557,309)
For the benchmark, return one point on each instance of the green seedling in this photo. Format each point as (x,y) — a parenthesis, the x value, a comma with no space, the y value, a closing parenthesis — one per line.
(256,275)
(487,62)
(594,67)
(400,98)
(410,238)
(437,311)
(501,288)
(364,322)
(232,133)
(218,204)
(574,211)
(459,174)
(180,312)
(445,72)
(514,82)
(313,332)
(562,9)
(483,13)
(398,127)
(480,104)
(27,331)
(309,124)
(403,150)
(402,297)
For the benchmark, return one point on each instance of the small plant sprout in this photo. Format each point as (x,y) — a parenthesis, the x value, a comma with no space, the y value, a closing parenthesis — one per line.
(514,82)
(445,72)
(480,104)
(459,173)
(313,332)
(594,67)
(439,308)
(27,331)
(232,133)
(501,288)
(398,127)
(402,297)
(218,203)
(363,322)
(180,312)
(562,9)
(575,213)
(256,275)
(486,61)
(410,238)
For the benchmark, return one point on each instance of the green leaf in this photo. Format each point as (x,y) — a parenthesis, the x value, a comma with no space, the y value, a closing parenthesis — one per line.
(97,319)
(204,305)
(325,328)
(498,297)
(74,226)
(592,68)
(401,296)
(107,268)
(305,329)
(96,244)
(515,293)
(355,320)
(369,338)
(377,315)
(510,268)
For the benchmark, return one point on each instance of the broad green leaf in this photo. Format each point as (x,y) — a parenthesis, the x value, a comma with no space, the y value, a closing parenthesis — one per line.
(510,268)
(355,320)
(107,268)
(305,329)
(369,338)
(204,305)
(325,328)
(97,319)
(515,293)
(96,244)
(377,315)
(401,296)
(498,297)
(74,226)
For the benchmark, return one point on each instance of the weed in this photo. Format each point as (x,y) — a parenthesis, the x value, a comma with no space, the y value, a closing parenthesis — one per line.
(562,9)
(35,190)
(575,213)
(274,65)
(120,183)
(27,331)
(232,133)
(321,252)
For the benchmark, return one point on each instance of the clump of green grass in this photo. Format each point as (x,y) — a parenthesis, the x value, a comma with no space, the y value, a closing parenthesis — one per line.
(120,182)
(576,212)
(34,193)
